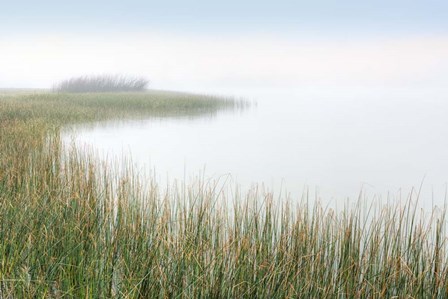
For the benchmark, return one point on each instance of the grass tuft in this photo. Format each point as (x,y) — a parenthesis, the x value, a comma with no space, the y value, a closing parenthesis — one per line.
(102,83)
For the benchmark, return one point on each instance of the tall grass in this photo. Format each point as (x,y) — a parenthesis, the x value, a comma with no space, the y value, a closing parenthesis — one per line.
(102,83)
(70,228)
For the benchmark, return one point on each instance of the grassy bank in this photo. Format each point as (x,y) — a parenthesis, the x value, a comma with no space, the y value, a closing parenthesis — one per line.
(68,228)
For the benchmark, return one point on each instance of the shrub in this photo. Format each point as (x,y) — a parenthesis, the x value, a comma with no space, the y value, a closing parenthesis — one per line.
(102,83)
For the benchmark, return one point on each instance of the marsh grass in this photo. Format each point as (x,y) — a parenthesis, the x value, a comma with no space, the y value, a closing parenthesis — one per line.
(102,83)
(71,228)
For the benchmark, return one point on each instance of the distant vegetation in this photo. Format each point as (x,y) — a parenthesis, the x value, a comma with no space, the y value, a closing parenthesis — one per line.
(102,83)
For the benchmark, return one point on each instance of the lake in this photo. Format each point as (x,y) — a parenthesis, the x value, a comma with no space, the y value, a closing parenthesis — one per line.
(330,142)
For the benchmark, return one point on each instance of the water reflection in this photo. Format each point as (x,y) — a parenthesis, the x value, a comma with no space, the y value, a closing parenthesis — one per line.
(334,143)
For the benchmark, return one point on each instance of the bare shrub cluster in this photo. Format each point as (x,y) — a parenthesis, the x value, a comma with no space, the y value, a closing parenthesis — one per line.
(102,83)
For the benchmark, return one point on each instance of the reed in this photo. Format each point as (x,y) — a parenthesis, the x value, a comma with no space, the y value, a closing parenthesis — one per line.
(71,228)
(102,83)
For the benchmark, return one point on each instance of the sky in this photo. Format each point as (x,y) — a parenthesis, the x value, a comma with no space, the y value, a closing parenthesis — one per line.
(198,45)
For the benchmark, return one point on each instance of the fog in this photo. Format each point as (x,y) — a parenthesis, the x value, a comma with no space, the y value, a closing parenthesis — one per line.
(335,142)
(337,113)
(227,63)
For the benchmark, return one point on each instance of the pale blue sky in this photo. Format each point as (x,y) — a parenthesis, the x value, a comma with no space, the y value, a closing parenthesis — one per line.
(201,16)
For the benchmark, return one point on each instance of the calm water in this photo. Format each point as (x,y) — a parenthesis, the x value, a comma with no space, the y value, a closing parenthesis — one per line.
(334,142)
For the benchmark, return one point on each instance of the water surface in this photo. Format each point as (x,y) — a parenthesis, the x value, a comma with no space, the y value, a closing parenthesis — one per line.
(333,142)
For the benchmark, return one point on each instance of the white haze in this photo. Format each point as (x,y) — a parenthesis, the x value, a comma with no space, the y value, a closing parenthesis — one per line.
(333,112)
(200,63)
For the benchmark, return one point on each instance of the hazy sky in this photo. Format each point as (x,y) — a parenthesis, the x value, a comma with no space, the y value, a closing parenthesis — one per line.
(229,15)
(195,44)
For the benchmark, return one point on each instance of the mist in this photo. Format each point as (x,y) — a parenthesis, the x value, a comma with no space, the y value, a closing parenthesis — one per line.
(214,63)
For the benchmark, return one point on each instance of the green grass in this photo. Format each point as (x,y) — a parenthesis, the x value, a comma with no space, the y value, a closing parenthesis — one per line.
(70,228)
(67,108)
